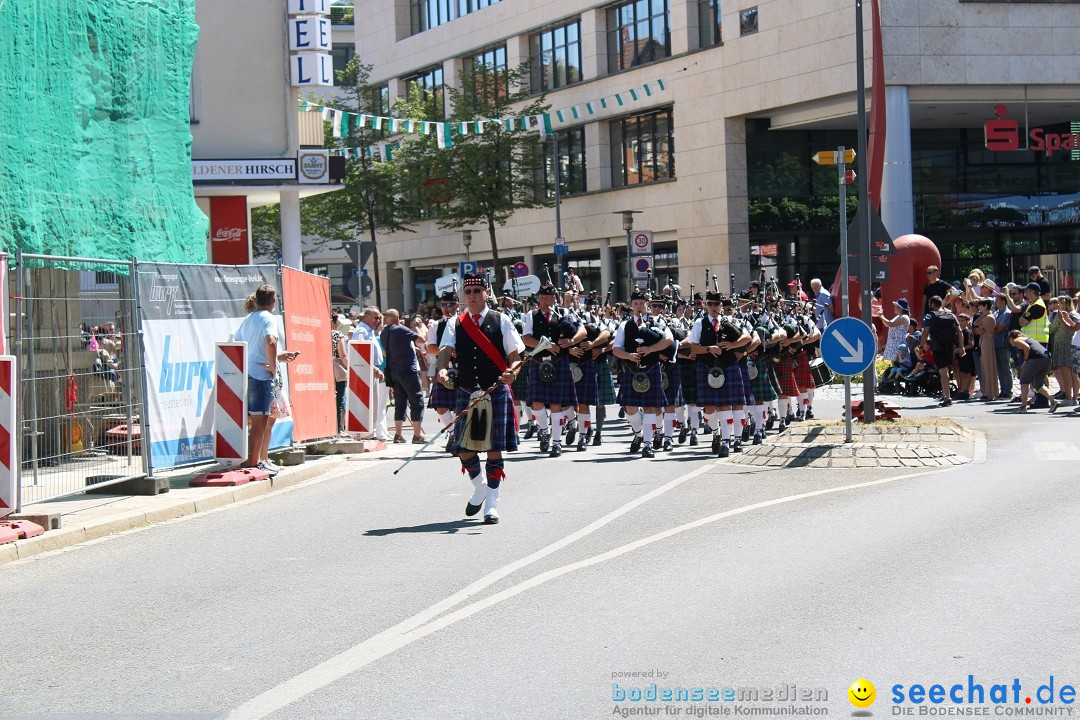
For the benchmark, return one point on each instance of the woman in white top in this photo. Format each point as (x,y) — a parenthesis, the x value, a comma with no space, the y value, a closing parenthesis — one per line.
(898,327)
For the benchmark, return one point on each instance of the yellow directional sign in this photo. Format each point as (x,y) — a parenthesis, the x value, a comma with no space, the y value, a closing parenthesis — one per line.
(831,157)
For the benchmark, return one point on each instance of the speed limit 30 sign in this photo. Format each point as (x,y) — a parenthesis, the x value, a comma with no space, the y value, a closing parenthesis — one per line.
(641,242)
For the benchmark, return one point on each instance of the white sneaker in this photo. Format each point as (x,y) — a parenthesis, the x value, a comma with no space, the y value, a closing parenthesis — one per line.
(267,467)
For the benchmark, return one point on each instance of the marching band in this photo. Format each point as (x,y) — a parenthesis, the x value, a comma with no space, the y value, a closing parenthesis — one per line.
(729,367)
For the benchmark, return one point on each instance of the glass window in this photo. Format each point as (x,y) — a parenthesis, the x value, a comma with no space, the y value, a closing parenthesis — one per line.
(342,53)
(427,14)
(748,21)
(556,54)
(432,81)
(571,164)
(642,149)
(488,68)
(709,23)
(638,33)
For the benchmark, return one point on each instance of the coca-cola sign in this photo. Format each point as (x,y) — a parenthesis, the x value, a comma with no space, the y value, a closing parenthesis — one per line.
(229,231)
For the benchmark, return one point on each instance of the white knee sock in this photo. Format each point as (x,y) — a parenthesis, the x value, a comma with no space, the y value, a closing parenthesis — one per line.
(542,419)
(695,417)
(727,422)
(649,422)
(635,422)
(445,418)
(680,413)
(714,421)
(763,416)
(804,400)
(586,421)
(810,395)
(669,424)
(740,421)
(556,427)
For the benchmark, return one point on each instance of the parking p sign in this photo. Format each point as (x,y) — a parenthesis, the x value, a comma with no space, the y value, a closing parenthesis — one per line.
(466,267)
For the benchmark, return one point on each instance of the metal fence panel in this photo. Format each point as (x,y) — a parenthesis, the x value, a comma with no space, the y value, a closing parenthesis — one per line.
(81,367)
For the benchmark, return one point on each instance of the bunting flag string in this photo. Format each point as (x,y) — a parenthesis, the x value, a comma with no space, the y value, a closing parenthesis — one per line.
(341,120)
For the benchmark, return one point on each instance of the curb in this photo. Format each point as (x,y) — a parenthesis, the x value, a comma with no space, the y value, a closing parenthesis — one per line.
(78,534)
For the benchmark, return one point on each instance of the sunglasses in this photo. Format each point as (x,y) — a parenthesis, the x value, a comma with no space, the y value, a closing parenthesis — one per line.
(473,291)
(712,303)
(449,304)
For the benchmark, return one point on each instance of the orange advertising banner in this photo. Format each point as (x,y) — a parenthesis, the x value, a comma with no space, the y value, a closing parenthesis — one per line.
(306,300)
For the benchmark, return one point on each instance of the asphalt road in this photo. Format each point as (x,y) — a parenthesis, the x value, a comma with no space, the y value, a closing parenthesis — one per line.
(368,595)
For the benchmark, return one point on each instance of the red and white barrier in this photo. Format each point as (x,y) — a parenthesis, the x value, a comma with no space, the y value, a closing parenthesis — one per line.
(360,402)
(230,404)
(9,458)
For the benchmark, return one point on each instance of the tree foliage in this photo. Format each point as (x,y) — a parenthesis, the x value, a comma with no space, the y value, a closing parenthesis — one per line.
(484,177)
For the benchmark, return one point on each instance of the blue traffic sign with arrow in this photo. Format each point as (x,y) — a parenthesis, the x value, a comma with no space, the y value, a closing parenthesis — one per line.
(848,346)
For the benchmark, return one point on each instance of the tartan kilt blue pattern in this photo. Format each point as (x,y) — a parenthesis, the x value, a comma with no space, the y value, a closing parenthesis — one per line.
(731,394)
(559,391)
(605,386)
(520,386)
(762,385)
(748,393)
(803,377)
(504,437)
(654,397)
(586,389)
(688,380)
(785,375)
(440,396)
(674,392)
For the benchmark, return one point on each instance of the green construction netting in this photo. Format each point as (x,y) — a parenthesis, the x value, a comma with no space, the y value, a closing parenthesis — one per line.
(95,147)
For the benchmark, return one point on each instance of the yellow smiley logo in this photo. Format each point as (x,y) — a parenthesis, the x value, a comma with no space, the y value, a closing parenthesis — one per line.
(862,693)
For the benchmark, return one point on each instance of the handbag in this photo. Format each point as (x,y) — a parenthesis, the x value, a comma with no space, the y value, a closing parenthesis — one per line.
(279,405)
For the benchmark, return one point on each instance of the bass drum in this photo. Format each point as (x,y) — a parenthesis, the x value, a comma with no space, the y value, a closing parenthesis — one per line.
(820,372)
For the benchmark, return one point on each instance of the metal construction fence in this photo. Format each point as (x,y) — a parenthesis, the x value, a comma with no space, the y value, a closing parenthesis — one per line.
(116,363)
(75,330)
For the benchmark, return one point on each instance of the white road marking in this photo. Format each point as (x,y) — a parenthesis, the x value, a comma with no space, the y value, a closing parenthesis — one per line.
(1056,450)
(425,623)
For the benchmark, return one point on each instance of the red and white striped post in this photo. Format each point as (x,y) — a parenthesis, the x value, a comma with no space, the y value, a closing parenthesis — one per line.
(9,458)
(230,403)
(360,403)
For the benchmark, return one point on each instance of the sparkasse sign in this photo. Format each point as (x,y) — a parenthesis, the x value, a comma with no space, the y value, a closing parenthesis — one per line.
(1002,134)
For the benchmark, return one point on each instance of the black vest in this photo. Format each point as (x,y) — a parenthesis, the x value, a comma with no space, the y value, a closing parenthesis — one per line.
(729,332)
(475,369)
(542,328)
(630,343)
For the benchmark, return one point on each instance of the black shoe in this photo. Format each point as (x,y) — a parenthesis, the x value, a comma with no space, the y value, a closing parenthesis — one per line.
(531,431)
(781,428)
(798,416)
(693,439)
(683,432)
(647,452)
(724,450)
(491,519)
(667,442)
(582,444)
(746,432)
(622,413)
(770,422)
(789,418)
(635,444)
(589,435)
(556,451)
(657,442)
(596,439)
(545,441)
(571,433)
(471,509)
(946,402)
(736,446)
(809,413)
(758,439)
(715,444)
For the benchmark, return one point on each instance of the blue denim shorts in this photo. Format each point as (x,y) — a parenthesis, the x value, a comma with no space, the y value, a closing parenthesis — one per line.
(259,396)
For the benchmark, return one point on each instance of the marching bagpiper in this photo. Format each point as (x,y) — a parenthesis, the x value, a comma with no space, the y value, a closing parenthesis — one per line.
(719,378)
(485,344)
(551,382)
(443,398)
(641,389)
(583,369)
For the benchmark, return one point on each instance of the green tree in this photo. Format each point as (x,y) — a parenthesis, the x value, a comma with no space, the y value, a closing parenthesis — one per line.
(485,177)
(369,202)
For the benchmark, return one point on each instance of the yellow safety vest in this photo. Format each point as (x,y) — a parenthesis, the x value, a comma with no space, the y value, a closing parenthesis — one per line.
(1039,330)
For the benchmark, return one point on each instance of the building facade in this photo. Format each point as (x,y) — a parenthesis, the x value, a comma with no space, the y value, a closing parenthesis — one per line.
(718,165)
(253,60)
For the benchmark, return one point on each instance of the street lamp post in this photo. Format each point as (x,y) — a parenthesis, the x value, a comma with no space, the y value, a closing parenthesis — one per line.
(466,239)
(628,226)
(560,265)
